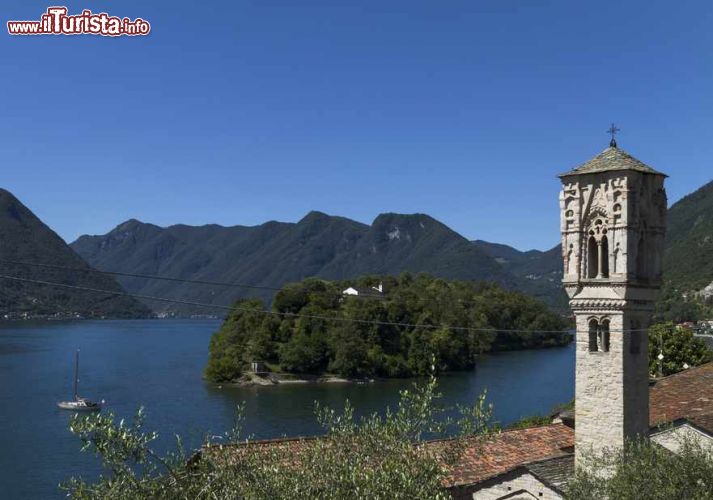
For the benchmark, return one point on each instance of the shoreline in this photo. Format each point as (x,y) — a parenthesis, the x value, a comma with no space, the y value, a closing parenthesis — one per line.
(48,319)
(274,379)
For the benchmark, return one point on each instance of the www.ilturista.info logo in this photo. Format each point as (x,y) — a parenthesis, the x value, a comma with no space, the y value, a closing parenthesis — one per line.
(56,22)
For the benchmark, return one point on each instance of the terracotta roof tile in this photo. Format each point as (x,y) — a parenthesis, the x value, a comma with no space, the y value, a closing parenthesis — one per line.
(510,449)
(688,394)
(704,422)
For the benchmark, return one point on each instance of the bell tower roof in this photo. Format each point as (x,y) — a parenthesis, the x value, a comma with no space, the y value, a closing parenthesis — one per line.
(612,158)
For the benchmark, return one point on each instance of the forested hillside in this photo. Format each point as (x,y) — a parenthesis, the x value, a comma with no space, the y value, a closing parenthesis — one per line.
(688,260)
(687,292)
(315,329)
(329,247)
(540,272)
(275,253)
(25,238)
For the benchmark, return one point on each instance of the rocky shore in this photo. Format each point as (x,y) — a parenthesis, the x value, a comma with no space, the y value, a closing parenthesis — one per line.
(269,379)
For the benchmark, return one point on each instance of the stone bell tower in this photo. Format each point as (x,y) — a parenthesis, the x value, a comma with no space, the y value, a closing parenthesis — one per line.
(613,211)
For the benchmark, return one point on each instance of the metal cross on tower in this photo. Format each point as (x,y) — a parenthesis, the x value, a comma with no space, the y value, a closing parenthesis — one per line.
(613,130)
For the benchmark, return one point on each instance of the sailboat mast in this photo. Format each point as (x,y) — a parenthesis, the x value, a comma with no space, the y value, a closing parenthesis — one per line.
(76,374)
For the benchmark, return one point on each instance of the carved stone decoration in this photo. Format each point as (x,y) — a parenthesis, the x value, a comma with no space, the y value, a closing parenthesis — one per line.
(613,212)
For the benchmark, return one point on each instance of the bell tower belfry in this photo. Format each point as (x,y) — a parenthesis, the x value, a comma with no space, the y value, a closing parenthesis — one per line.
(613,223)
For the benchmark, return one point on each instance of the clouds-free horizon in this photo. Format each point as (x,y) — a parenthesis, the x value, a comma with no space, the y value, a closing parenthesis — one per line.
(244,112)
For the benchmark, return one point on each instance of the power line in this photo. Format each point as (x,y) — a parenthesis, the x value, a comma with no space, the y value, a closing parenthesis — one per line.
(284,314)
(274,313)
(143,276)
(178,280)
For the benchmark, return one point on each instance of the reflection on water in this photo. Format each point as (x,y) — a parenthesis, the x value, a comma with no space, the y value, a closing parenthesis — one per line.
(158,364)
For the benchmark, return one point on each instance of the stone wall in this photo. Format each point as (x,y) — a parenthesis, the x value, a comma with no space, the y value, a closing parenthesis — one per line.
(611,386)
(515,486)
(673,438)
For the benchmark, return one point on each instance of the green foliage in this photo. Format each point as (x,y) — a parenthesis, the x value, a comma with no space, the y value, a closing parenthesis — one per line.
(680,305)
(688,258)
(273,254)
(242,342)
(336,334)
(377,456)
(303,353)
(539,420)
(688,261)
(540,273)
(531,421)
(679,347)
(645,470)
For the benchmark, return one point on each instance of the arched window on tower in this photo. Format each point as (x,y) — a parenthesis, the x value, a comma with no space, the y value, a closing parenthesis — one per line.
(604,256)
(592,257)
(593,330)
(604,336)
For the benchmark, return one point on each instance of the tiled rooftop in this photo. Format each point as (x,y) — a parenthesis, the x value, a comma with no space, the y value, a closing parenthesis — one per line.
(688,394)
(554,471)
(507,450)
(612,158)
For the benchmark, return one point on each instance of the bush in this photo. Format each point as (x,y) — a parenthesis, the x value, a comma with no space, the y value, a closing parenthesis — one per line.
(379,457)
(680,348)
(644,469)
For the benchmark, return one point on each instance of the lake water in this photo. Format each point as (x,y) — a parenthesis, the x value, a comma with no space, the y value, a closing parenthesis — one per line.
(158,364)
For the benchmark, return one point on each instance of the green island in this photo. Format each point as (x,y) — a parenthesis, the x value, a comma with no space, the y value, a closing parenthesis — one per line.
(316,329)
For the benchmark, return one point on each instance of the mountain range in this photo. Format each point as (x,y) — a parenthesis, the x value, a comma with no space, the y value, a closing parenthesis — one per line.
(688,260)
(24,238)
(275,253)
(330,247)
(688,255)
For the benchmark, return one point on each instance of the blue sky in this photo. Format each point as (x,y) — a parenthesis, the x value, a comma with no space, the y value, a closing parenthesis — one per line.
(242,112)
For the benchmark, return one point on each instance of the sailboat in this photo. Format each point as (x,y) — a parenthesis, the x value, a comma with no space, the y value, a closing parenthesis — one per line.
(79,404)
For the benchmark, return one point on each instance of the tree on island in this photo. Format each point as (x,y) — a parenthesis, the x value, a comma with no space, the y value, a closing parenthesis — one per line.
(313,328)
